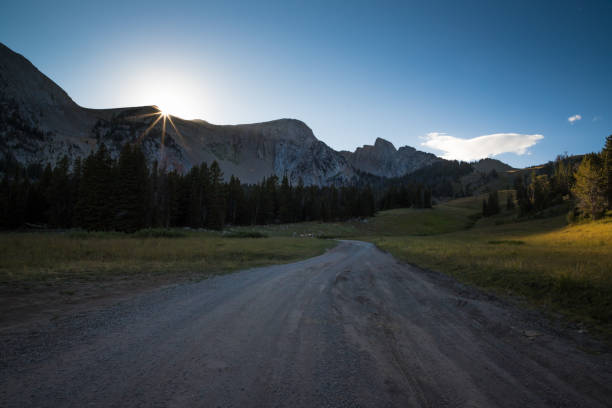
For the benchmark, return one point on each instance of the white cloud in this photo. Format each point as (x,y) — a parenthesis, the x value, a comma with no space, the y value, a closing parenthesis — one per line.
(574,118)
(455,148)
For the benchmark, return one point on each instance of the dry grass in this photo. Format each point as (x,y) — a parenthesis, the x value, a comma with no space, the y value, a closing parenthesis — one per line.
(55,256)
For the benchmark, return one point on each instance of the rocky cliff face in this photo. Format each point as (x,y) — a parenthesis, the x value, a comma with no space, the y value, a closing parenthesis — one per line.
(254,151)
(384,160)
(40,123)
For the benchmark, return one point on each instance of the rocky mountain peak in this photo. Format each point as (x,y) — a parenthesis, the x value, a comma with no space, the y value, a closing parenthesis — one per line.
(382,159)
(407,149)
(291,130)
(384,145)
(23,82)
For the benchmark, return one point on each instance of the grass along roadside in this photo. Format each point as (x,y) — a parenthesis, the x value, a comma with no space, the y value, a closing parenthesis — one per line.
(564,268)
(52,257)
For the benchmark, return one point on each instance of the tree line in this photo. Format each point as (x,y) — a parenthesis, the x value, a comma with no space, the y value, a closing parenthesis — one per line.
(586,180)
(125,194)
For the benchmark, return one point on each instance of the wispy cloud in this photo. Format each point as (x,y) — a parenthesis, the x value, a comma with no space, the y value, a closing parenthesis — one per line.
(455,148)
(574,118)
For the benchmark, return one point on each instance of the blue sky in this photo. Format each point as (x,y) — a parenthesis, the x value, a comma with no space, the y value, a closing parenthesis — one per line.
(429,74)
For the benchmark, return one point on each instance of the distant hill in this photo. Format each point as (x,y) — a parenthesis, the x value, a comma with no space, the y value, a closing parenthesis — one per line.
(486,165)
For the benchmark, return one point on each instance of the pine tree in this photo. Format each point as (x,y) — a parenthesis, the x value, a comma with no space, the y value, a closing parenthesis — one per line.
(152,217)
(607,162)
(269,201)
(59,195)
(490,206)
(367,201)
(590,187)
(205,190)
(510,201)
(4,202)
(216,216)
(420,199)
(562,176)
(326,211)
(427,198)
(75,183)
(36,207)
(522,196)
(236,206)
(334,203)
(284,201)
(298,201)
(17,203)
(94,205)
(193,198)
(45,178)
(40,214)
(315,206)
(131,190)
(171,209)
(539,191)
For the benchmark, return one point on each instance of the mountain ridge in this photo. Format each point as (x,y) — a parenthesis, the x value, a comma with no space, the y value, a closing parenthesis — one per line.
(39,122)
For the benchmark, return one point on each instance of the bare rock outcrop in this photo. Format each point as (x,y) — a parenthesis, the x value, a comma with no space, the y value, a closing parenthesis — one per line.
(382,159)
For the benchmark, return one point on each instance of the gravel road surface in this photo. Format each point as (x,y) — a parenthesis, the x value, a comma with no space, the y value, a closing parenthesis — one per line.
(351,328)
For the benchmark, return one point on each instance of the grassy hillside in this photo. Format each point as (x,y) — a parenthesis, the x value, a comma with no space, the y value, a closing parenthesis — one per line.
(402,221)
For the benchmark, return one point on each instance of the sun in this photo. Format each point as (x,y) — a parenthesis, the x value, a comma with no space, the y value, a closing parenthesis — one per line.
(163,118)
(173,101)
(162,111)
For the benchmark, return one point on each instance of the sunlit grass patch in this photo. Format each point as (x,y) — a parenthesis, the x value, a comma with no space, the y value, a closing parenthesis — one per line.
(568,268)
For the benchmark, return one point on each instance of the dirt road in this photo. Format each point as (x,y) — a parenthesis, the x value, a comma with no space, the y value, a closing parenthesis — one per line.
(350,328)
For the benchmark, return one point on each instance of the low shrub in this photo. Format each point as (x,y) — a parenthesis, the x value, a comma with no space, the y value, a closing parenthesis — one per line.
(507,242)
(158,233)
(245,234)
